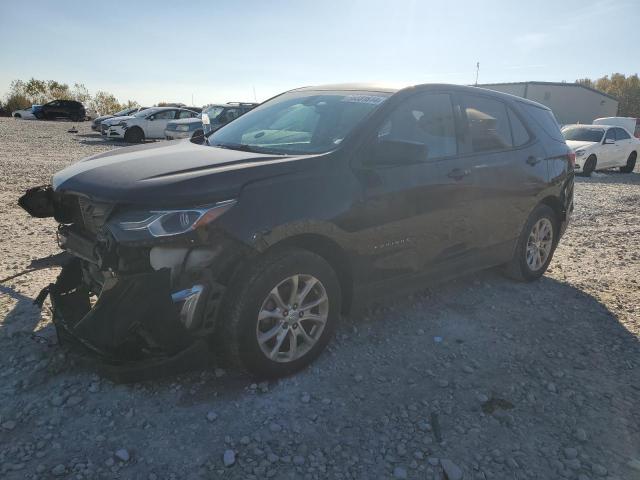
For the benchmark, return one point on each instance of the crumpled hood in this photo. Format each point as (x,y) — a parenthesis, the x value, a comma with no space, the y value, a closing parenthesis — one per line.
(170,173)
(575,144)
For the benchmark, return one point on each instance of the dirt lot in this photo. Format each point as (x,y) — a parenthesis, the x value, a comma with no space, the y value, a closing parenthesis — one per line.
(481,377)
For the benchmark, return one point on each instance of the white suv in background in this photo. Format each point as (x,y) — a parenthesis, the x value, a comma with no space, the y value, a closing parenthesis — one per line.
(146,124)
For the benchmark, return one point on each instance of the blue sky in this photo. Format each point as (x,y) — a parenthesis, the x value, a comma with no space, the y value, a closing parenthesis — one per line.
(217,51)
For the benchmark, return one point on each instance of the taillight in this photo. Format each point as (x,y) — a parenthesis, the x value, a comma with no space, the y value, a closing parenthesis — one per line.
(571,156)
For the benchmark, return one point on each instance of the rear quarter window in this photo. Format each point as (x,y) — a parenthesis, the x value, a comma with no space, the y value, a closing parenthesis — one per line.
(545,119)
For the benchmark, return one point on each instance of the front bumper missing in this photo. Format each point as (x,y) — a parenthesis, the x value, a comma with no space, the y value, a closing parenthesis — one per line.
(133,327)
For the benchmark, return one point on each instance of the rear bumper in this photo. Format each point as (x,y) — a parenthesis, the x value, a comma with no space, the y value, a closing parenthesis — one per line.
(174,134)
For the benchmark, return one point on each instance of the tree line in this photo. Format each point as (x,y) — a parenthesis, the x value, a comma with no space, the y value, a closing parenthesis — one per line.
(625,89)
(23,94)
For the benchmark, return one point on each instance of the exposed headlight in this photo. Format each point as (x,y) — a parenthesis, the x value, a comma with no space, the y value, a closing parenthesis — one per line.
(182,128)
(580,153)
(164,223)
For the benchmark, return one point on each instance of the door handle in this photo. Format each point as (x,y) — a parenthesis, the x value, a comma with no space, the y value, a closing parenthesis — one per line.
(533,160)
(458,173)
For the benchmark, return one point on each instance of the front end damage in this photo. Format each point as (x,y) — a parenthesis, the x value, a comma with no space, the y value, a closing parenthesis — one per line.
(144,307)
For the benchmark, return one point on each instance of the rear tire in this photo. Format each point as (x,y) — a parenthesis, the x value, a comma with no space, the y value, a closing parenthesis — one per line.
(631,163)
(134,135)
(535,247)
(589,166)
(253,319)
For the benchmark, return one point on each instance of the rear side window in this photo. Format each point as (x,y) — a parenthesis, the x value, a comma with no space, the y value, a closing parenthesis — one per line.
(426,119)
(546,120)
(518,132)
(487,124)
(621,134)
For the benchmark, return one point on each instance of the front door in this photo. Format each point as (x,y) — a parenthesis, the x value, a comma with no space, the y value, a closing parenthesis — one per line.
(608,151)
(624,144)
(414,214)
(158,123)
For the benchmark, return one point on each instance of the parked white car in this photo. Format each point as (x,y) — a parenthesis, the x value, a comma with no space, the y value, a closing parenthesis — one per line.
(599,147)
(146,124)
(25,113)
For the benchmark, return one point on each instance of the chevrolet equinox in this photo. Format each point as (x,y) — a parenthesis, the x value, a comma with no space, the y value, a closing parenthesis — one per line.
(253,243)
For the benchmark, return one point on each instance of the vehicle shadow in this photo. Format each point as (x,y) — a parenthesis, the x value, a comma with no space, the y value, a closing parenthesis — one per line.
(24,316)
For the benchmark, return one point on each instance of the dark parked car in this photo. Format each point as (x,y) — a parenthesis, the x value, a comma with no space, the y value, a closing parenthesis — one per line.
(61,109)
(315,201)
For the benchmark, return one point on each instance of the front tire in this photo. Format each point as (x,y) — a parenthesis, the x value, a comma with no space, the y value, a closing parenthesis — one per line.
(589,166)
(197,137)
(17,115)
(535,246)
(134,135)
(279,314)
(40,116)
(631,163)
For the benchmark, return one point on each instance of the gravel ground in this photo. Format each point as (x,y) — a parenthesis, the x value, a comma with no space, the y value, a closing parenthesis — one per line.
(479,378)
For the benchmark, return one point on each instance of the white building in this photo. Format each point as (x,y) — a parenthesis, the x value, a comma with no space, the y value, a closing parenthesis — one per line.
(570,102)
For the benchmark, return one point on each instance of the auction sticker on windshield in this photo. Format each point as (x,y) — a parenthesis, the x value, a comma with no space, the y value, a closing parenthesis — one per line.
(372,99)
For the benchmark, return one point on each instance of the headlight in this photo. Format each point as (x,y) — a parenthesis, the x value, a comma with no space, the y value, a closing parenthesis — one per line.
(164,223)
(182,128)
(580,153)
(120,124)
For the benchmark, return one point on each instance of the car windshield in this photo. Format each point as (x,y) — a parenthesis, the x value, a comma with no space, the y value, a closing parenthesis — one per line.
(302,122)
(213,112)
(583,134)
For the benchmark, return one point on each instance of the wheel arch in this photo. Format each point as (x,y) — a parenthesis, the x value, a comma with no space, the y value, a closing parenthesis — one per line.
(332,253)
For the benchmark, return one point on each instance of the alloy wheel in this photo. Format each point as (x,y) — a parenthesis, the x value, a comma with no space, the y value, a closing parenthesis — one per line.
(539,244)
(292,318)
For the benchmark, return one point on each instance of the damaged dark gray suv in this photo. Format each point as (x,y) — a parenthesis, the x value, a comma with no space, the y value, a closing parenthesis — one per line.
(254,243)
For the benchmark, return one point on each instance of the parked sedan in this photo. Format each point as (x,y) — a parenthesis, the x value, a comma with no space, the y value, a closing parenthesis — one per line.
(599,147)
(185,128)
(146,124)
(25,113)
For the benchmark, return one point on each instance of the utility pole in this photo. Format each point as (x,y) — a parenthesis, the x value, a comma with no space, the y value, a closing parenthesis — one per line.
(477,72)
(255,99)
(192,104)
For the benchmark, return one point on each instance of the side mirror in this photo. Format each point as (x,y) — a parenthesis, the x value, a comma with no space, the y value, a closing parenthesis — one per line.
(398,152)
(609,141)
(151,118)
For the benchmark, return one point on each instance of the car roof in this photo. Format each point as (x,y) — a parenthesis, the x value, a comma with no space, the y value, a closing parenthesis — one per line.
(374,87)
(584,125)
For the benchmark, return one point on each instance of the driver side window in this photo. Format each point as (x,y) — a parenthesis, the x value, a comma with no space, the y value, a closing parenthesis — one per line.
(165,115)
(424,119)
(611,134)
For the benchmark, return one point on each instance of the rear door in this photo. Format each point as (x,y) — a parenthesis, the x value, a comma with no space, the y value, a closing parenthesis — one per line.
(625,145)
(509,170)
(413,216)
